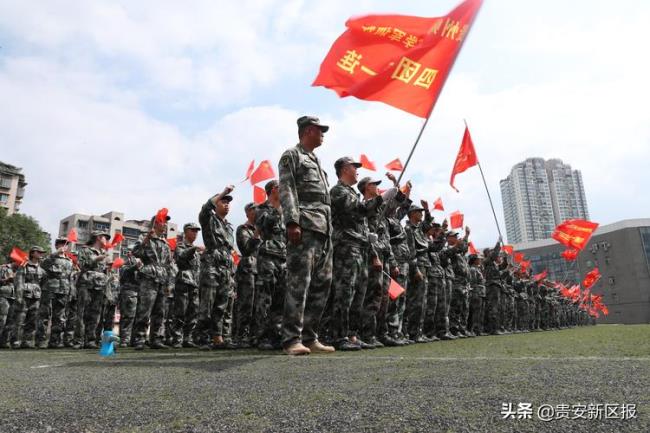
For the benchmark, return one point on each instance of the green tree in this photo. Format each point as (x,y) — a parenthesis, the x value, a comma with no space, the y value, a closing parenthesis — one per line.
(20,231)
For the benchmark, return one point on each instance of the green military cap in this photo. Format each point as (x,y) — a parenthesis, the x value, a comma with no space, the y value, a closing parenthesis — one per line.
(415,208)
(191,226)
(37,249)
(61,241)
(97,233)
(452,234)
(346,160)
(435,225)
(227,198)
(365,181)
(249,206)
(311,120)
(270,185)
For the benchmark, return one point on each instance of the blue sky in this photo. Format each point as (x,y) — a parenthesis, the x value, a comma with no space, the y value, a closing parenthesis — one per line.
(133,106)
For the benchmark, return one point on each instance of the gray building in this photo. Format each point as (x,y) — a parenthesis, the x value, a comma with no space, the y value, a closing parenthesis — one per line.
(12,187)
(538,195)
(621,251)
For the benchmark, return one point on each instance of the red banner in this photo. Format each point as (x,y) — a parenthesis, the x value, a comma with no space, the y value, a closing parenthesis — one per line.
(574,233)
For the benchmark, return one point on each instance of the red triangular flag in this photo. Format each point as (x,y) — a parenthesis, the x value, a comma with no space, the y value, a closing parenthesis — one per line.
(465,159)
(235,258)
(508,249)
(437,205)
(525,264)
(366,163)
(259,195)
(518,257)
(394,290)
(539,277)
(117,238)
(472,250)
(591,278)
(117,263)
(570,254)
(250,169)
(172,243)
(72,236)
(263,172)
(400,60)
(456,220)
(19,256)
(161,216)
(395,165)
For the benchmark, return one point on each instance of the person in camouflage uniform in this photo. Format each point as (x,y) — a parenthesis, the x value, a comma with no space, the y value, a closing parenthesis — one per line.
(111,300)
(520,285)
(154,285)
(186,292)
(507,295)
(7,298)
(71,316)
(216,277)
(376,302)
(91,290)
(477,297)
(350,238)
(30,279)
(271,284)
(416,301)
(54,297)
(305,201)
(459,310)
(129,287)
(248,242)
(441,280)
(494,286)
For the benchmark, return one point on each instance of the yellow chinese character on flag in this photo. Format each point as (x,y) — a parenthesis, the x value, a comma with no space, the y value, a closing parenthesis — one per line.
(397,35)
(383,31)
(405,70)
(369,29)
(426,78)
(411,41)
(350,61)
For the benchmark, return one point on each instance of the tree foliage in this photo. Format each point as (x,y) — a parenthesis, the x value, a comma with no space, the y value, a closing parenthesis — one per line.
(20,231)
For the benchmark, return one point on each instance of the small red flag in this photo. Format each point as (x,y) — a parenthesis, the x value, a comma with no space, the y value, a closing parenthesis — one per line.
(172,243)
(395,165)
(570,254)
(508,249)
(72,236)
(574,233)
(400,60)
(539,277)
(456,220)
(437,205)
(117,238)
(259,195)
(591,278)
(366,163)
(235,258)
(394,290)
(72,257)
(19,256)
(465,159)
(518,257)
(161,216)
(472,250)
(250,169)
(525,264)
(263,172)
(117,263)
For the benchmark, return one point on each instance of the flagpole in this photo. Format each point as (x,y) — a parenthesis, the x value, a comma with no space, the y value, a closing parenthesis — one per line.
(487,191)
(417,140)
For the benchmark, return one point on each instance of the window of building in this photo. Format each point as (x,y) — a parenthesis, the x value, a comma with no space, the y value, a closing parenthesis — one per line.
(5,182)
(101,226)
(4,198)
(82,224)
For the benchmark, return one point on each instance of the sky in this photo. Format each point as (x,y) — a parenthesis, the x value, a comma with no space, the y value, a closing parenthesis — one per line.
(135,106)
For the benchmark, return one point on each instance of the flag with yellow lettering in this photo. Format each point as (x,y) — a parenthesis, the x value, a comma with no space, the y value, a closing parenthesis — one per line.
(400,60)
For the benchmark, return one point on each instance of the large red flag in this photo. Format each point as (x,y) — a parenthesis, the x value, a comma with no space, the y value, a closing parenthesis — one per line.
(591,278)
(465,159)
(19,256)
(400,60)
(394,290)
(395,165)
(437,205)
(574,233)
(263,172)
(366,163)
(456,220)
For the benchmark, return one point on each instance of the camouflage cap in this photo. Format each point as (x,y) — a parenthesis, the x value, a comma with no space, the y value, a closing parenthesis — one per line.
(249,206)
(311,120)
(415,208)
(61,241)
(36,248)
(97,233)
(452,234)
(191,226)
(361,186)
(270,185)
(227,198)
(346,160)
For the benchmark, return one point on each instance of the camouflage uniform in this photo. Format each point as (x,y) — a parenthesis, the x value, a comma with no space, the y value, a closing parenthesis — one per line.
(110,302)
(129,287)
(71,316)
(446,262)
(7,297)
(245,276)
(216,277)
(30,278)
(54,299)
(507,299)
(305,201)
(271,284)
(477,300)
(154,287)
(494,286)
(186,292)
(459,310)
(416,297)
(521,298)
(91,289)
